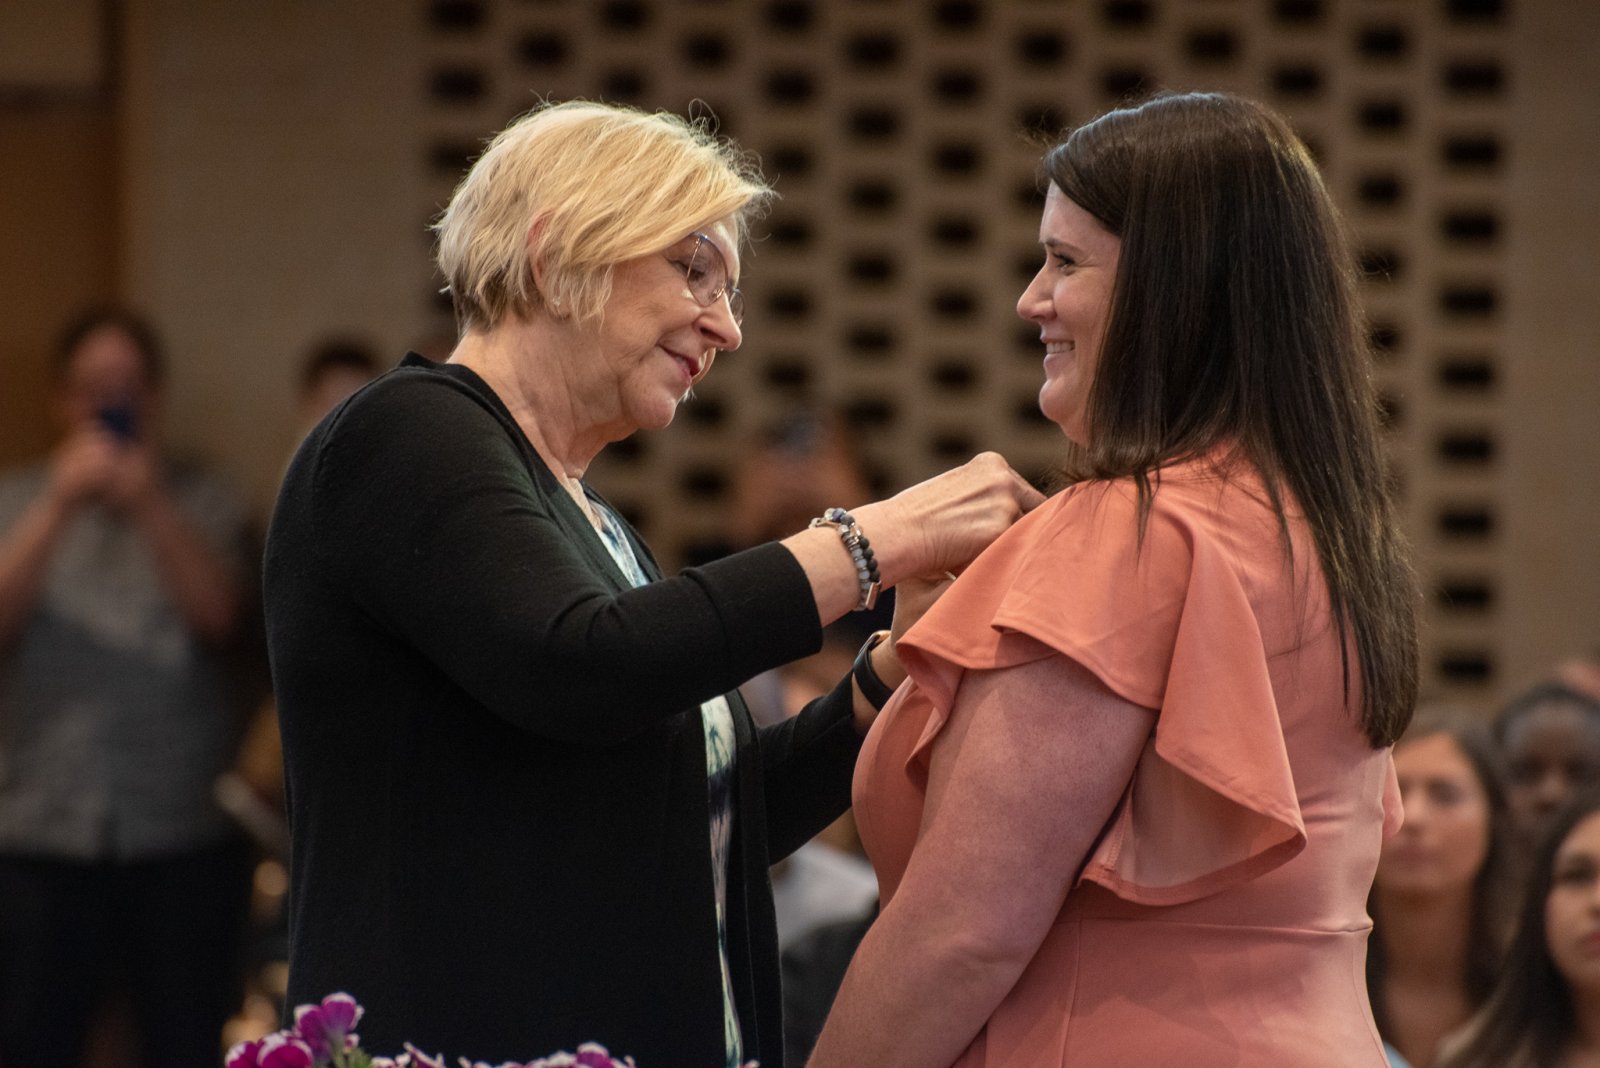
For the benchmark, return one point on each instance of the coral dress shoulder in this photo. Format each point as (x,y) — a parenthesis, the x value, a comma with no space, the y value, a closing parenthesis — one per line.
(1220,918)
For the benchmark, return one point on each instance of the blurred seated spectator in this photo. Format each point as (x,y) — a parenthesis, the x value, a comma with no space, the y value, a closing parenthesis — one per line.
(125,602)
(1549,737)
(333,370)
(813,969)
(1440,899)
(803,464)
(1582,673)
(827,880)
(1545,1009)
(252,791)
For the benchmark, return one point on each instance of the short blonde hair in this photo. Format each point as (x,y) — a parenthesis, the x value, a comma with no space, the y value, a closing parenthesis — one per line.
(598,184)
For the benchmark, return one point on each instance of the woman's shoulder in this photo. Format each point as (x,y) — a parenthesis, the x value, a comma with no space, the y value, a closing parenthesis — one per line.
(425,386)
(418,407)
(1214,497)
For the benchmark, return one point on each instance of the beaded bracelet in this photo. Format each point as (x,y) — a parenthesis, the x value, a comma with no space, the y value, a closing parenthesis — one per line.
(860,553)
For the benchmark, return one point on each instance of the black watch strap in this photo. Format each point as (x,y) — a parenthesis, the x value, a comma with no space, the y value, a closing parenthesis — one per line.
(872,687)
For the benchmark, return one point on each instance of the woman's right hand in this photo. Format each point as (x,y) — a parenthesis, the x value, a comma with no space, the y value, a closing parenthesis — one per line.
(928,531)
(940,525)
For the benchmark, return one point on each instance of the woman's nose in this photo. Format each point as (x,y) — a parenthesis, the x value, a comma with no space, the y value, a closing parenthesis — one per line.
(1552,790)
(1034,304)
(717,325)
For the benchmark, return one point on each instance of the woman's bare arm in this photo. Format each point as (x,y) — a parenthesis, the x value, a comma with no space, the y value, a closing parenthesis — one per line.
(1022,780)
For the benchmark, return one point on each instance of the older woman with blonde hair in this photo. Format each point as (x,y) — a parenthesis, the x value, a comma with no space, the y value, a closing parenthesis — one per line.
(529,807)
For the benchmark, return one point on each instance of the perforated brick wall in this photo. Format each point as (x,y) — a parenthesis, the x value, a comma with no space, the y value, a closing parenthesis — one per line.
(884,281)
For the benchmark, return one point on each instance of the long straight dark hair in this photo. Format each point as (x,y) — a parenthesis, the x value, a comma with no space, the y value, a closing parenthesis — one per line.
(1530,1018)
(1493,887)
(1234,321)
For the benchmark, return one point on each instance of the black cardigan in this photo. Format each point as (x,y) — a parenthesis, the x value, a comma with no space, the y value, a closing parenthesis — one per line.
(496,766)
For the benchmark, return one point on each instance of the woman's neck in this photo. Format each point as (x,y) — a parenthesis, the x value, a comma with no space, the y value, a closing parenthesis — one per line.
(538,370)
(1585,1045)
(1425,938)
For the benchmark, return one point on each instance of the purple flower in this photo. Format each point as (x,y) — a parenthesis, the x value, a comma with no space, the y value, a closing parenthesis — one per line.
(244,1054)
(422,1059)
(324,1036)
(326,1028)
(593,1055)
(284,1050)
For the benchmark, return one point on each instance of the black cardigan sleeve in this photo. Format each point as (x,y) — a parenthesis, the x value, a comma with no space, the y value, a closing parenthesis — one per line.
(435,516)
(807,763)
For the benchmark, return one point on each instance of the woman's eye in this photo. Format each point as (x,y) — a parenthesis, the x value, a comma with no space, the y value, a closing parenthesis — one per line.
(1446,793)
(1525,774)
(1574,876)
(1062,261)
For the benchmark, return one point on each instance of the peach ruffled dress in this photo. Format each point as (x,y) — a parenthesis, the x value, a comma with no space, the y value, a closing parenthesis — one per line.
(1221,916)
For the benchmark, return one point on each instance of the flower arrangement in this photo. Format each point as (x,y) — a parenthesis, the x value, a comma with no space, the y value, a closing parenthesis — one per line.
(323,1036)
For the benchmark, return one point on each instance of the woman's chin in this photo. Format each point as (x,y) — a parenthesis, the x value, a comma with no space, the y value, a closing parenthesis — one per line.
(1069,421)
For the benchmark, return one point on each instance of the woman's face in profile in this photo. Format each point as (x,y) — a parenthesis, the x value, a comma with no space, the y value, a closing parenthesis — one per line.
(1553,752)
(1572,909)
(1444,840)
(1070,299)
(657,340)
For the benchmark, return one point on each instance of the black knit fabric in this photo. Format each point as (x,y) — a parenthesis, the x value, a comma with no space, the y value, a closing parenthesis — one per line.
(496,767)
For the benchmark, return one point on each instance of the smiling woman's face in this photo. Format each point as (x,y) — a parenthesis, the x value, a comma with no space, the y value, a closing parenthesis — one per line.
(1070,299)
(657,340)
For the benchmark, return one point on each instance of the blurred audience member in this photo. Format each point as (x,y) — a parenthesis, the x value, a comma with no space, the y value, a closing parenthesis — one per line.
(1582,673)
(813,970)
(804,460)
(332,371)
(1550,739)
(123,590)
(1439,901)
(252,791)
(825,894)
(1545,1009)
(807,457)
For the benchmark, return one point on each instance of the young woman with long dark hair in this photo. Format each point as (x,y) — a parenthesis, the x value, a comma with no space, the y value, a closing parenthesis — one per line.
(1128,809)
(1545,1010)
(1441,900)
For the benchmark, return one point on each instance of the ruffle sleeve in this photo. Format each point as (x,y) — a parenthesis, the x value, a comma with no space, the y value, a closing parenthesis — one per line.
(1169,625)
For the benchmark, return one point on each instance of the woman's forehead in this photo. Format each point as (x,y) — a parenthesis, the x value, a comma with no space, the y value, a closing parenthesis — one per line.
(1583,839)
(724,234)
(1554,723)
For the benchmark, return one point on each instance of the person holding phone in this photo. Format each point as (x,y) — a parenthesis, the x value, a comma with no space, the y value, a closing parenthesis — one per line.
(123,580)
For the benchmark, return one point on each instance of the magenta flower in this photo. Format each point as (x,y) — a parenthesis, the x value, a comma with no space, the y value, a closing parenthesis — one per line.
(422,1059)
(284,1050)
(244,1054)
(324,1036)
(328,1028)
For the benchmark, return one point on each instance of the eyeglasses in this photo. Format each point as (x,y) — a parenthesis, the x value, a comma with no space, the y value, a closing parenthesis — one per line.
(706,272)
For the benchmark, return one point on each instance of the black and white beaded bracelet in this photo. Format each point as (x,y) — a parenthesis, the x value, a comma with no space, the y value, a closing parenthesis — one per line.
(860,553)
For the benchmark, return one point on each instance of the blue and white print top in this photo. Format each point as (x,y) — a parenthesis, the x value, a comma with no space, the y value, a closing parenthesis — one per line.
(716,718)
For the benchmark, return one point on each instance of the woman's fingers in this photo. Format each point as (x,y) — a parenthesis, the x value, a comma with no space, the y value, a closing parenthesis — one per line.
(941,524)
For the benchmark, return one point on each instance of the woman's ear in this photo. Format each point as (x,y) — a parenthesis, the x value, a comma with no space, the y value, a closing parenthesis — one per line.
(533,248)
